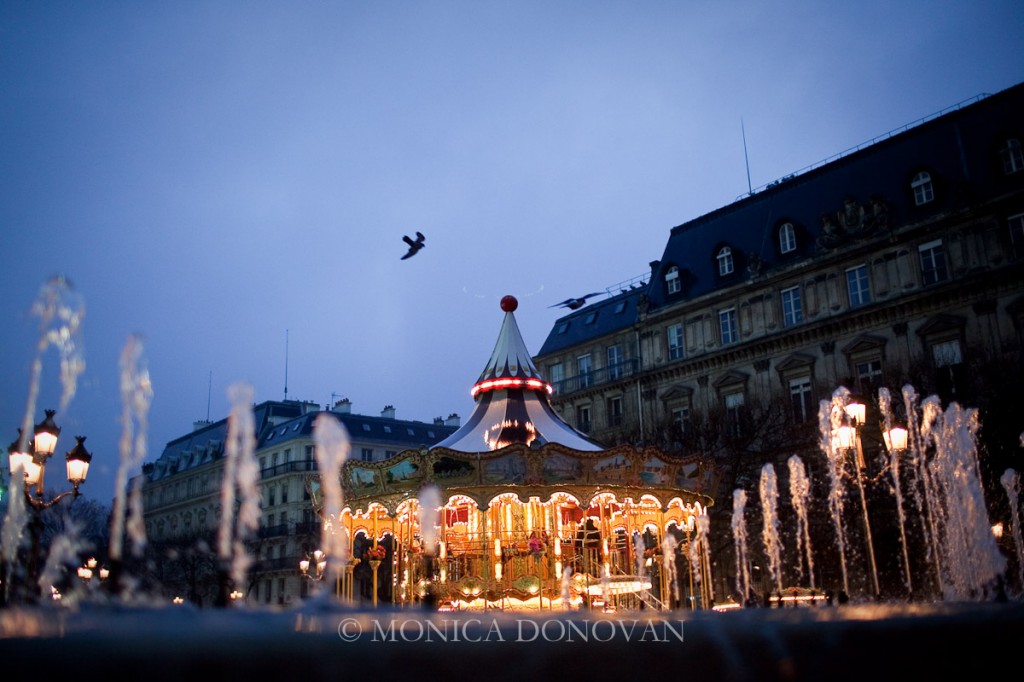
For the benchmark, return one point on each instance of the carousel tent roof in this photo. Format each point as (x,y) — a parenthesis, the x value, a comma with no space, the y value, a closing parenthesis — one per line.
(512,401)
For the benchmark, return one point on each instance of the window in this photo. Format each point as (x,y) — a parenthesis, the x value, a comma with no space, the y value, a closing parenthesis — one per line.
(787,238)
(933,263)
(366,454)
(672,283)
(284,493)
(615,411)
(388,454)
(387,429)
(556,374)
(725,266)
(800,399)
(869,375)
(584,367)
(590,318)
(947,353)
(272,496)
(792,311)
(583,418)
(733,411)
(675,341)
(614,362)
(562,328)
(619,307)
(681,418)
(857,286)
(922,188)
(727,324)
(1016,224)
(1013,158)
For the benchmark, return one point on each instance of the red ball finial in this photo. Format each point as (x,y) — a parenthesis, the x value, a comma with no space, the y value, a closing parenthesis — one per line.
(509,303)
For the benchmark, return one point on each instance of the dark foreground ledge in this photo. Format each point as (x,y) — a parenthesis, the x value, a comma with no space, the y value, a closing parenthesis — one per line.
(864,643)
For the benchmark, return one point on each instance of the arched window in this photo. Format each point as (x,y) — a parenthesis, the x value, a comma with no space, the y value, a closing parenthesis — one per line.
(725,265)
(672,282)
(1013,157)
(923,189)
(787,238)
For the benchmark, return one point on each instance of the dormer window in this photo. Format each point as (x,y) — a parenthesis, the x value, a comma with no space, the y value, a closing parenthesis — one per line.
(1013,157)
(672,282)
(725,264)
(787,238)
(924,191)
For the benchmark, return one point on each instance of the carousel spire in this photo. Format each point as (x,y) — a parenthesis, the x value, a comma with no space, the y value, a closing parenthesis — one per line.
(512,401)
(510,365)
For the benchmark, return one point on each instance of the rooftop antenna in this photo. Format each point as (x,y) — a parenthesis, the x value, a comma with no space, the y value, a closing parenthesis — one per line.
(209,390)
(746,160)
(286,364)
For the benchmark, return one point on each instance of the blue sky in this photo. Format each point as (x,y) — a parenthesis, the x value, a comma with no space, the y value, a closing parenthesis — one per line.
(230,181)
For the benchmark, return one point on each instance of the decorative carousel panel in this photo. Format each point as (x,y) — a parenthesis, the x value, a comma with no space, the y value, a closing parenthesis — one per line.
(507,469)
(451,471)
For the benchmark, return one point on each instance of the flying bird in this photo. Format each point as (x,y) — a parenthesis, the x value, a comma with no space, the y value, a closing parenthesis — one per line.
(414,245)
(575,303)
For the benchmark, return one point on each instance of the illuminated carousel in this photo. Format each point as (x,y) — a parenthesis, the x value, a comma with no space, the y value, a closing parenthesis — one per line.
(518,510)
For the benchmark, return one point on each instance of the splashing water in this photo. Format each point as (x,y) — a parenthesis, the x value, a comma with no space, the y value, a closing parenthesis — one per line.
(739,535)
(14,528)
(770,516)
(566,583)
(885,407)
(830,418)
(700,554)
(62,559)
(970,556)
(241,438)
(429,516)
(1011,483)
(638,553)
(800,494)
(136,395)
(60,310)
(668,562)
(332,449)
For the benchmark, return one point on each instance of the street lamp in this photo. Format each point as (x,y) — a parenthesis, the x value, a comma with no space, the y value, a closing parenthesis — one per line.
(30,456)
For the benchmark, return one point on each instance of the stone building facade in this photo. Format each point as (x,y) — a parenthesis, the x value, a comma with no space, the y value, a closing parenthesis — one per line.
(898,263)
(182,493)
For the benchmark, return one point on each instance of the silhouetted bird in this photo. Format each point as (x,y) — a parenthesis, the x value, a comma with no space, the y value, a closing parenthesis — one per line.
(575,303)
(414,246)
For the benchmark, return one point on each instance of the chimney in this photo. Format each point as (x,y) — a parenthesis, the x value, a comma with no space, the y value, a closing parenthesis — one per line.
(388,412)
(343,406)
(452,420)
(200,424)
(438,421)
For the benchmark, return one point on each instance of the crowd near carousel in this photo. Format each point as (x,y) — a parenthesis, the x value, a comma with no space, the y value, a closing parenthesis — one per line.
(519,510)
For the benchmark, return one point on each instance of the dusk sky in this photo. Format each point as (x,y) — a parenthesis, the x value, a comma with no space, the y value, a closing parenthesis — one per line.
(231,181)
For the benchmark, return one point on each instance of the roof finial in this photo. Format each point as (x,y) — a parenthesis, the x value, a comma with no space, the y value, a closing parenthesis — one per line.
(509,303)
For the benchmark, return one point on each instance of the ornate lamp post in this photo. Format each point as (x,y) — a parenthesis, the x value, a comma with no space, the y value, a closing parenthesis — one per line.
(30,458)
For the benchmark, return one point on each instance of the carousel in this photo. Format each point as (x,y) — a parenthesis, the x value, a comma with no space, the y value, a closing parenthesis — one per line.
(518,510)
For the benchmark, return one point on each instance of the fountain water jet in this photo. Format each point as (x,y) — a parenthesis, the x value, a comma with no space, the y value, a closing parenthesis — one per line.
(136,396)
(831,414)
(800,493)
(332,447)
(770,523)
(1011,483)
(241,472)
(885,407)
(739,534)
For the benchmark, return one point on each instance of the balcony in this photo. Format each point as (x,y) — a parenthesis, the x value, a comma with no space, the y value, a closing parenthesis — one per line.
(288,467)
(277,531)
(597,377)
